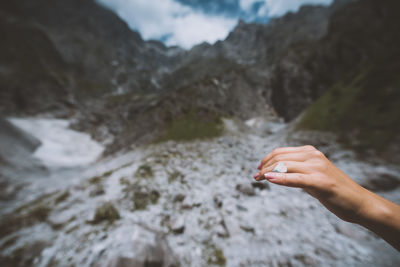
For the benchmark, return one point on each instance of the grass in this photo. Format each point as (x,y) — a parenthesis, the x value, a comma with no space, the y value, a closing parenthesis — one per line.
(144,171)
(214,255)
(362,111)
(142,199)
(193,126)
(106,213)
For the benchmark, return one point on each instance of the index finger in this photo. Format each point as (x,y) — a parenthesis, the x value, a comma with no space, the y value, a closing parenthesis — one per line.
(283,150)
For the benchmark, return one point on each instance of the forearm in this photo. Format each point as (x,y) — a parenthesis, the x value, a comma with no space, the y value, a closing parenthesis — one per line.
(381,217)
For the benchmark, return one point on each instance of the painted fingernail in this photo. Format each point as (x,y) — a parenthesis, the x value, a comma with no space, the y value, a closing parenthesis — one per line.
(272,175)
(259,166)
(256,175)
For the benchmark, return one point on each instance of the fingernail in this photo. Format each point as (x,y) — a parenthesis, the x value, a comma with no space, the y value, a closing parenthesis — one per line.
(256,175)
(272,175)
(259,166)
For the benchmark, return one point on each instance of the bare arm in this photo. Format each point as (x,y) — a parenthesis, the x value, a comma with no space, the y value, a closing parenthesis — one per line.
(309,169)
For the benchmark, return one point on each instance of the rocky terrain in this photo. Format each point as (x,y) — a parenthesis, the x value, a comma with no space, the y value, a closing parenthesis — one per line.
(115,151)
(191,203)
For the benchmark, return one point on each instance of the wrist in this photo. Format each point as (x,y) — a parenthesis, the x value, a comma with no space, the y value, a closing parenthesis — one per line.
(373,210)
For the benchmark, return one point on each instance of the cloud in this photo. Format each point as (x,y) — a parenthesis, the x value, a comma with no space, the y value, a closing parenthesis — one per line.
(280,7)
(172,22)
(190,22)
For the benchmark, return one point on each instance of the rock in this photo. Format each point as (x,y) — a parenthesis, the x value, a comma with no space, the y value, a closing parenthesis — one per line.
(245,189)
(382,183)
(260,185)
(306,260)
(241,208)
(247,228)
(189,204)
(218,201)
(179,198)
(97,191)
(146,248)
(177,225)
(222,230)
(21,143)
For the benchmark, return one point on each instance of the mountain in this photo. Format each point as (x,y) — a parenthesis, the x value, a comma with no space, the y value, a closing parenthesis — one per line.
(357,63)
(82,61)
(55,55)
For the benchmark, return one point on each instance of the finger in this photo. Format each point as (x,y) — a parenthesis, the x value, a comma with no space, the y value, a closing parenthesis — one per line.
(292,166)
(288,179)
(283,150)
(295,156)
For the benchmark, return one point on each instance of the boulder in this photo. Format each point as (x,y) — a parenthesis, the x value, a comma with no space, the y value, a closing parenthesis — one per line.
(147,247)
(16,145)
(245,189)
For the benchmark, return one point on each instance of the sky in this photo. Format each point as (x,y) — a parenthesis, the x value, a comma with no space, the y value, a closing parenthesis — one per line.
(189,22)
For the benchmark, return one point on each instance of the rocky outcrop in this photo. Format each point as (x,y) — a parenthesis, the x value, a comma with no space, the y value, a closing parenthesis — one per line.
(58,55)
(356,62)
(16,146)
(147,248)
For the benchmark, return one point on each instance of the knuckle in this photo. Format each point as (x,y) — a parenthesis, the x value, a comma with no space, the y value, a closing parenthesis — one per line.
(318,154)
(310,147)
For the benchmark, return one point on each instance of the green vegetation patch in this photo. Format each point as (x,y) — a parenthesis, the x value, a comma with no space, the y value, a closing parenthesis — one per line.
(106,213)
(214,255)
(193,126)
(363,112)
(100,178)
(144,171)
(141,199)
(62,197)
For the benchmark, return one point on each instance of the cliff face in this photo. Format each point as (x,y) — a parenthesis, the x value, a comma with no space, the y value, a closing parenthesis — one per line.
(358,61)
(58,54)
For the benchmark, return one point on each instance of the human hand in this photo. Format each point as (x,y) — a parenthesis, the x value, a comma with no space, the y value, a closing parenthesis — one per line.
(309,169)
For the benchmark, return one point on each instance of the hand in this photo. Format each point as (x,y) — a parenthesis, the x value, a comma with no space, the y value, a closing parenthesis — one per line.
(309,169)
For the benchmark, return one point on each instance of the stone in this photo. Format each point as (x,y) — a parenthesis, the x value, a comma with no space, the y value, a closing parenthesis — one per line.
(247,228)
(222,230)
(218,201)
(260,185)
(97,191)
(245,189)
(179,198)
(177,225)
(146,248)
(382,183)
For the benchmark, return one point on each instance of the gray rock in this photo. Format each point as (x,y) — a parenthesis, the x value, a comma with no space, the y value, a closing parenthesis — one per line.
(260,185)
(97,191)
(218,201)
(177,225)
(179,198)
(17,146)
(245,189)
(381,182)
(247,228)
(147,248)
(222,230)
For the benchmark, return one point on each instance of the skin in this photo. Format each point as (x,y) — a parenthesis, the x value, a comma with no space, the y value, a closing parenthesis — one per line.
(310,170)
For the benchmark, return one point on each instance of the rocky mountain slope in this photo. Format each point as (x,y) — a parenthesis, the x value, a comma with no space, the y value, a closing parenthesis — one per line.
(81,60)
(58,54)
